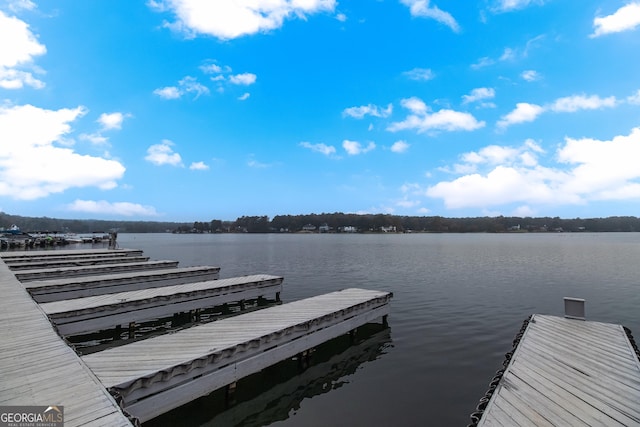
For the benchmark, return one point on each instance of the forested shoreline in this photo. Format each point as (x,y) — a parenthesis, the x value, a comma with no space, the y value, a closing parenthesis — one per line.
(331,223)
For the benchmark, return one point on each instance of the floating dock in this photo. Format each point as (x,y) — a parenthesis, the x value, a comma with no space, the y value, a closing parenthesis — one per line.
(567,372)
(156,375)
(12,257)
(65,272)
(49,294)
(83,315)
(47,263)
(38,368)
(79,287)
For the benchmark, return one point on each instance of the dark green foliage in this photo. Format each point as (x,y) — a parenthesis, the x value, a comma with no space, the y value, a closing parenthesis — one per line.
(332,222)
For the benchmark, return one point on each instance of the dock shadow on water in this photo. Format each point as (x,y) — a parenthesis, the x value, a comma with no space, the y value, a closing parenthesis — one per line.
(276,393)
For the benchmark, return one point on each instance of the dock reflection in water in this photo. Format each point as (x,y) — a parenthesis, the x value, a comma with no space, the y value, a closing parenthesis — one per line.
(276,392)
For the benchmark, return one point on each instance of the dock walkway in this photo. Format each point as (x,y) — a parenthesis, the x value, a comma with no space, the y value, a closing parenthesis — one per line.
(77,262)
(143,379)
(65,272)
(19,256)
(38,368)
(567,372)
(161,373)
(79,287)
(82,315)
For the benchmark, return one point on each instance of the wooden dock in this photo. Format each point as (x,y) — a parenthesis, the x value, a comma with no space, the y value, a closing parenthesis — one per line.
(19,256)
(78,262)
(567,372)
(65,272)
(161,373)
(38,368)
(79,287)
(83,315)
(82,291)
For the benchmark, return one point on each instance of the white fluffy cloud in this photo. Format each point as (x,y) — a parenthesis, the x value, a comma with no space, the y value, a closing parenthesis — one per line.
(327,150)
(168,92)
(188,84)
(585,170)
(367,110)
(108,122)
(626,18)
(163,154)
(111,121)
(353,148)
(245,79)
(479,94)
(16,57)
(103,207)
(35,161)
(422,119)
(420,74)
(220,74)
(525,112)
(399,147)
(571,104)
(229,19)
(422,8)
(530,75)
(199,166)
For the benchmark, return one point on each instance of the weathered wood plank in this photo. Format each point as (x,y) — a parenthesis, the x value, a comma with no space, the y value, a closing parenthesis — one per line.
(569,372)
(79,287)
(217,353)
(9,257)
(63,272)
(45,371)
(105,311)
(48,264)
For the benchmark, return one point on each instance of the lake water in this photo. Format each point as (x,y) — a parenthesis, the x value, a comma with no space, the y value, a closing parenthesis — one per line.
(459,300)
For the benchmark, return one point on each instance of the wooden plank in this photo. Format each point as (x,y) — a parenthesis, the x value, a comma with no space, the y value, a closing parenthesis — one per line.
(8,257)
(227,347)
(49,264)
(79,287)
(569,372)
(204,383)
(106,311)
(38,368)
(63,272)
(79,257)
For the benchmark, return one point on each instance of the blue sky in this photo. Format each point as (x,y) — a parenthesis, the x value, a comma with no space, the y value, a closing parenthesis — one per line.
(188,110)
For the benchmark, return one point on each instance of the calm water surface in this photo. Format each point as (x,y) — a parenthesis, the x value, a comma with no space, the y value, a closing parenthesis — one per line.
(459,300)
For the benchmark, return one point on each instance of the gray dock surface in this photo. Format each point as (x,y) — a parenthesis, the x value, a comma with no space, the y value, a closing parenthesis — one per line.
(79,287)
(65,272)
(77,262)
(156,375)
(89,314)
(568,372)
(38,368)
(59,254)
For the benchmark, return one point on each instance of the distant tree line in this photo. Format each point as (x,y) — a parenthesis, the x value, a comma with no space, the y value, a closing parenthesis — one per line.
(341,222)
(53,225)
(333,223)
